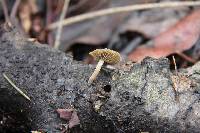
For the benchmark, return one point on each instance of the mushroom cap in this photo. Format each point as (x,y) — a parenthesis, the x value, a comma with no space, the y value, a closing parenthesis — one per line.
(108,55)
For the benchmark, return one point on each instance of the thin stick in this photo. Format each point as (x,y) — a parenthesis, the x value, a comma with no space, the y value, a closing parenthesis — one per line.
(175,66)
(5,11)
(14,9)
(13,13)
(18,89)
(60,25)
(49,20)
(174,83)
(122,9)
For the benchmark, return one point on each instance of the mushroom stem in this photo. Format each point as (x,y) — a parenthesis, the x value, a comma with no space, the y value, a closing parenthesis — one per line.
(96,71)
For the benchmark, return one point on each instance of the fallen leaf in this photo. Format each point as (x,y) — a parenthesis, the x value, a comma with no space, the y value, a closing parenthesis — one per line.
(71,33)
(141,26)
(178,38)
(152,22)
(101,30)
(96,31)
(70,115)
(74,120)
(65,114)
(37,29)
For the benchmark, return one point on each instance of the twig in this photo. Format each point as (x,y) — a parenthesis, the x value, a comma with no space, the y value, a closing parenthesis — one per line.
(121,9)
(49,17)
(13,13)
(5,11)
(14,9)
(175,66)
(175,80)
(18,89)
(59,31)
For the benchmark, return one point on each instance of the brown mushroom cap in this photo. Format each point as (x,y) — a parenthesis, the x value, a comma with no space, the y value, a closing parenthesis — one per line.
(108,55)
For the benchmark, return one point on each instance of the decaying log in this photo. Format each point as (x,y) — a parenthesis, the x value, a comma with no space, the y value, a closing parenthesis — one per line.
(142,99)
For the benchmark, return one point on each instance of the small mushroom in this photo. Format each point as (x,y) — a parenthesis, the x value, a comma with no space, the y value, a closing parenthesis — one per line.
(103,55)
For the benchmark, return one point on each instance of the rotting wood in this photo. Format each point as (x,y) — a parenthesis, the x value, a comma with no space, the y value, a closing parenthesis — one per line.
(141,99)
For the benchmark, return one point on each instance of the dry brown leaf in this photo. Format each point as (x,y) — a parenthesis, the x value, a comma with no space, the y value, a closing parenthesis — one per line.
(97,31)
(65,114)
(37,28)
(70,115)
(102,30)
(152,22)
(74,120)
(180,37)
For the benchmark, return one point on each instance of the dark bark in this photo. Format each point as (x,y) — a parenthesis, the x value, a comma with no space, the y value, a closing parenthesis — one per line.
(141,99)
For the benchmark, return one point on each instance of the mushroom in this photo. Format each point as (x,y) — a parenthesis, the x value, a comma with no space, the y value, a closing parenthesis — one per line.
(103,55)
